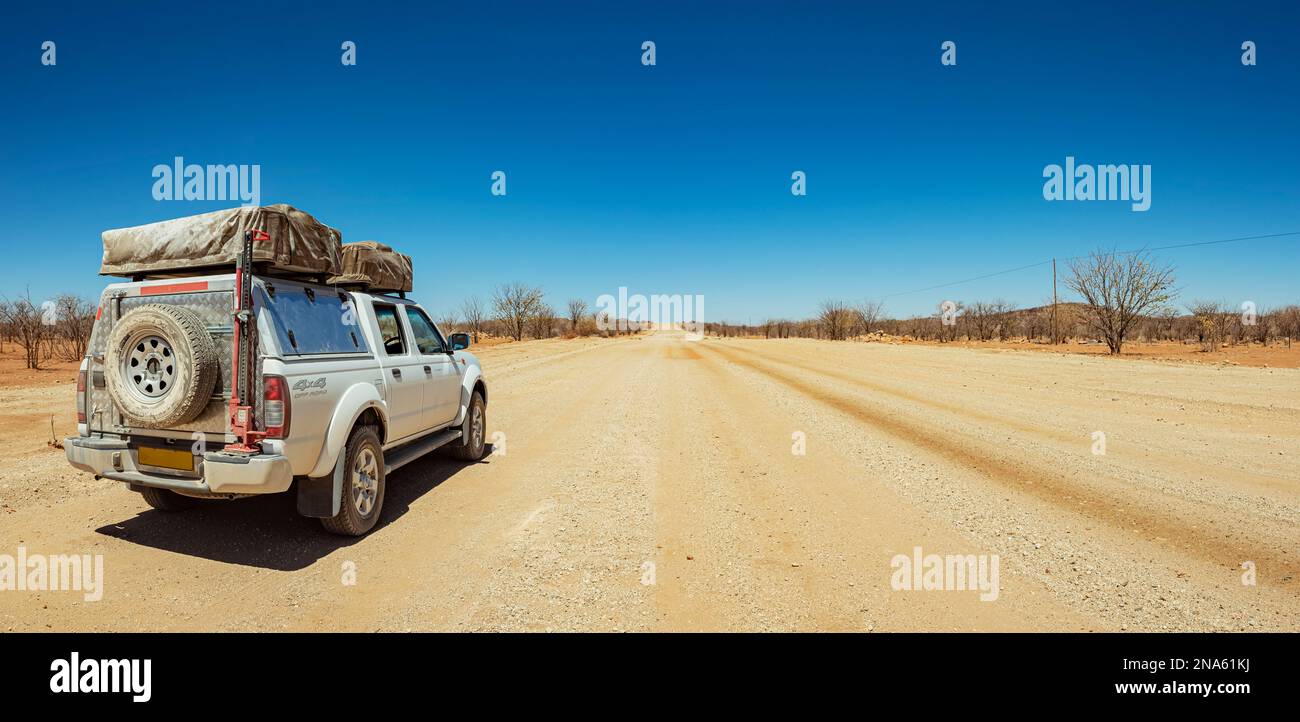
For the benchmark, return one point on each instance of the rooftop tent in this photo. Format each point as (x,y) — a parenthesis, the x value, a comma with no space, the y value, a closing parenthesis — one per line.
(299,243)
(375,266)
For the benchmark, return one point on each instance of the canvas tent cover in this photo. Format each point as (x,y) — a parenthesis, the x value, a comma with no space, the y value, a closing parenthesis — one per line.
(376,266)
(299,243)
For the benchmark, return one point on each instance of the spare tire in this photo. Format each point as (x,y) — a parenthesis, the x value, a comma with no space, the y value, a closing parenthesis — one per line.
(161,365)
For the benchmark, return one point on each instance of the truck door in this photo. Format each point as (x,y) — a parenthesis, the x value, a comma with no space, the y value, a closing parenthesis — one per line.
(403,375)
(440,371)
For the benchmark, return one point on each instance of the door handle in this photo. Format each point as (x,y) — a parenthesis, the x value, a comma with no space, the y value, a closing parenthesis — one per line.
(397,373)
(428,370)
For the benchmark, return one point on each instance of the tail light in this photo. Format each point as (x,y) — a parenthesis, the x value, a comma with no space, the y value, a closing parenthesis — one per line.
(81,397)
(276,406)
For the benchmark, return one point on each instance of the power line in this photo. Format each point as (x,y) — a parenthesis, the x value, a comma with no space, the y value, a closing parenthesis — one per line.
(1207,243)
(1074,258)
(968,280)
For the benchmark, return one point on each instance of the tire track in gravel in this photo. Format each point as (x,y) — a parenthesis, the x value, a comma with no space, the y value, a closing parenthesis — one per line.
(804,542)
(1120,510)
(1265,483)
(577,557)
(724,552)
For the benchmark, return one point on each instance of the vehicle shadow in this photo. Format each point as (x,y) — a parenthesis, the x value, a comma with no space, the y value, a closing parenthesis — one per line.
(267,531)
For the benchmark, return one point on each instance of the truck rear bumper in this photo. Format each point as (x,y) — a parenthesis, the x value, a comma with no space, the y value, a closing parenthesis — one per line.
(219,472)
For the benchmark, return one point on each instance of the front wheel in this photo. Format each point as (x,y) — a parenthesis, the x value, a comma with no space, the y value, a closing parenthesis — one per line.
(474,431)
(363,485)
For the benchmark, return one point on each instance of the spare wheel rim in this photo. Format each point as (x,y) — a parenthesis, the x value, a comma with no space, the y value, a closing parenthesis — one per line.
(149,366)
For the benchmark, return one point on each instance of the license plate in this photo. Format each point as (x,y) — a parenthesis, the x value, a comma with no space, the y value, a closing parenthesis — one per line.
(181,460)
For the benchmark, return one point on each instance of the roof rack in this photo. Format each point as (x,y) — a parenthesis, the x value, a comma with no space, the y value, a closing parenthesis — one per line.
(297,247)
(260,270)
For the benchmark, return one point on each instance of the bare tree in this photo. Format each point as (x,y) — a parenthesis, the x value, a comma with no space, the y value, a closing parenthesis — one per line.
(542,322)
(947,316)
(1231,322)
(1119,290)
(449,323)
(26,323)
(1208,318)
(515,305)
(867,314)
(1037,322)
(605,323)
(1165,321)
(1004,318)
(982,317)
(835,319)
(577,312)
(1288,322)
(475,314)
(1264,325)
(74,319)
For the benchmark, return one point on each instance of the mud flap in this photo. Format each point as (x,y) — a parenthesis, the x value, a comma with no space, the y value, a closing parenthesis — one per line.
(319,497)
(465,396)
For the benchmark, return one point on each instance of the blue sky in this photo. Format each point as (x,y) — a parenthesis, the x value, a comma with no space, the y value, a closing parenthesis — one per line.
(673,178)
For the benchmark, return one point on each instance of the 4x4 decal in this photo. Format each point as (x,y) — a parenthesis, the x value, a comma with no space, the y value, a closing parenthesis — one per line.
(308,387)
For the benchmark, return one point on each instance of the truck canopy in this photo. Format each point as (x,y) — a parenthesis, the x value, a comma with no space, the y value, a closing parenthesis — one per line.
(299,243)
(376,267)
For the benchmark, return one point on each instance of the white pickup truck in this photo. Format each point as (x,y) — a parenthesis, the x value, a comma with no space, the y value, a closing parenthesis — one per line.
(351,385)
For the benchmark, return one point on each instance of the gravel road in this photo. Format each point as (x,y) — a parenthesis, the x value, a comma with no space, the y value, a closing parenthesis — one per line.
(653,483)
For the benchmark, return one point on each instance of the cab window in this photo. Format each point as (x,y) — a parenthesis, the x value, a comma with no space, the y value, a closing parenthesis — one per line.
(307,319)
(390,330)
(427,338)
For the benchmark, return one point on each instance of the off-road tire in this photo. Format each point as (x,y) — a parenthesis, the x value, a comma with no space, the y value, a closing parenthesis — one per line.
(351,521)
(193,377)
(165,500)
(475,446)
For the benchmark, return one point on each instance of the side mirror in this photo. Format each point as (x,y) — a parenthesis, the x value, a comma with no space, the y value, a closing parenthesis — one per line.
(459,341)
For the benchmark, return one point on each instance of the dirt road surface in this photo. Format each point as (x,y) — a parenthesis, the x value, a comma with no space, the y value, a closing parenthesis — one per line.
(654,483)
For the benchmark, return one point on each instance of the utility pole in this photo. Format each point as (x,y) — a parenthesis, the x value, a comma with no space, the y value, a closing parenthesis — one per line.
(1054,335)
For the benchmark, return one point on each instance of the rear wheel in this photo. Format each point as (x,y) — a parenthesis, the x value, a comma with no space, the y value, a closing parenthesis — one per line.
(474,431)
(363,485)
(164,499)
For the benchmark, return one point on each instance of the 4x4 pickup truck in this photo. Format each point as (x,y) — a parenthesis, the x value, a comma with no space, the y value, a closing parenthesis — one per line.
(347,386)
